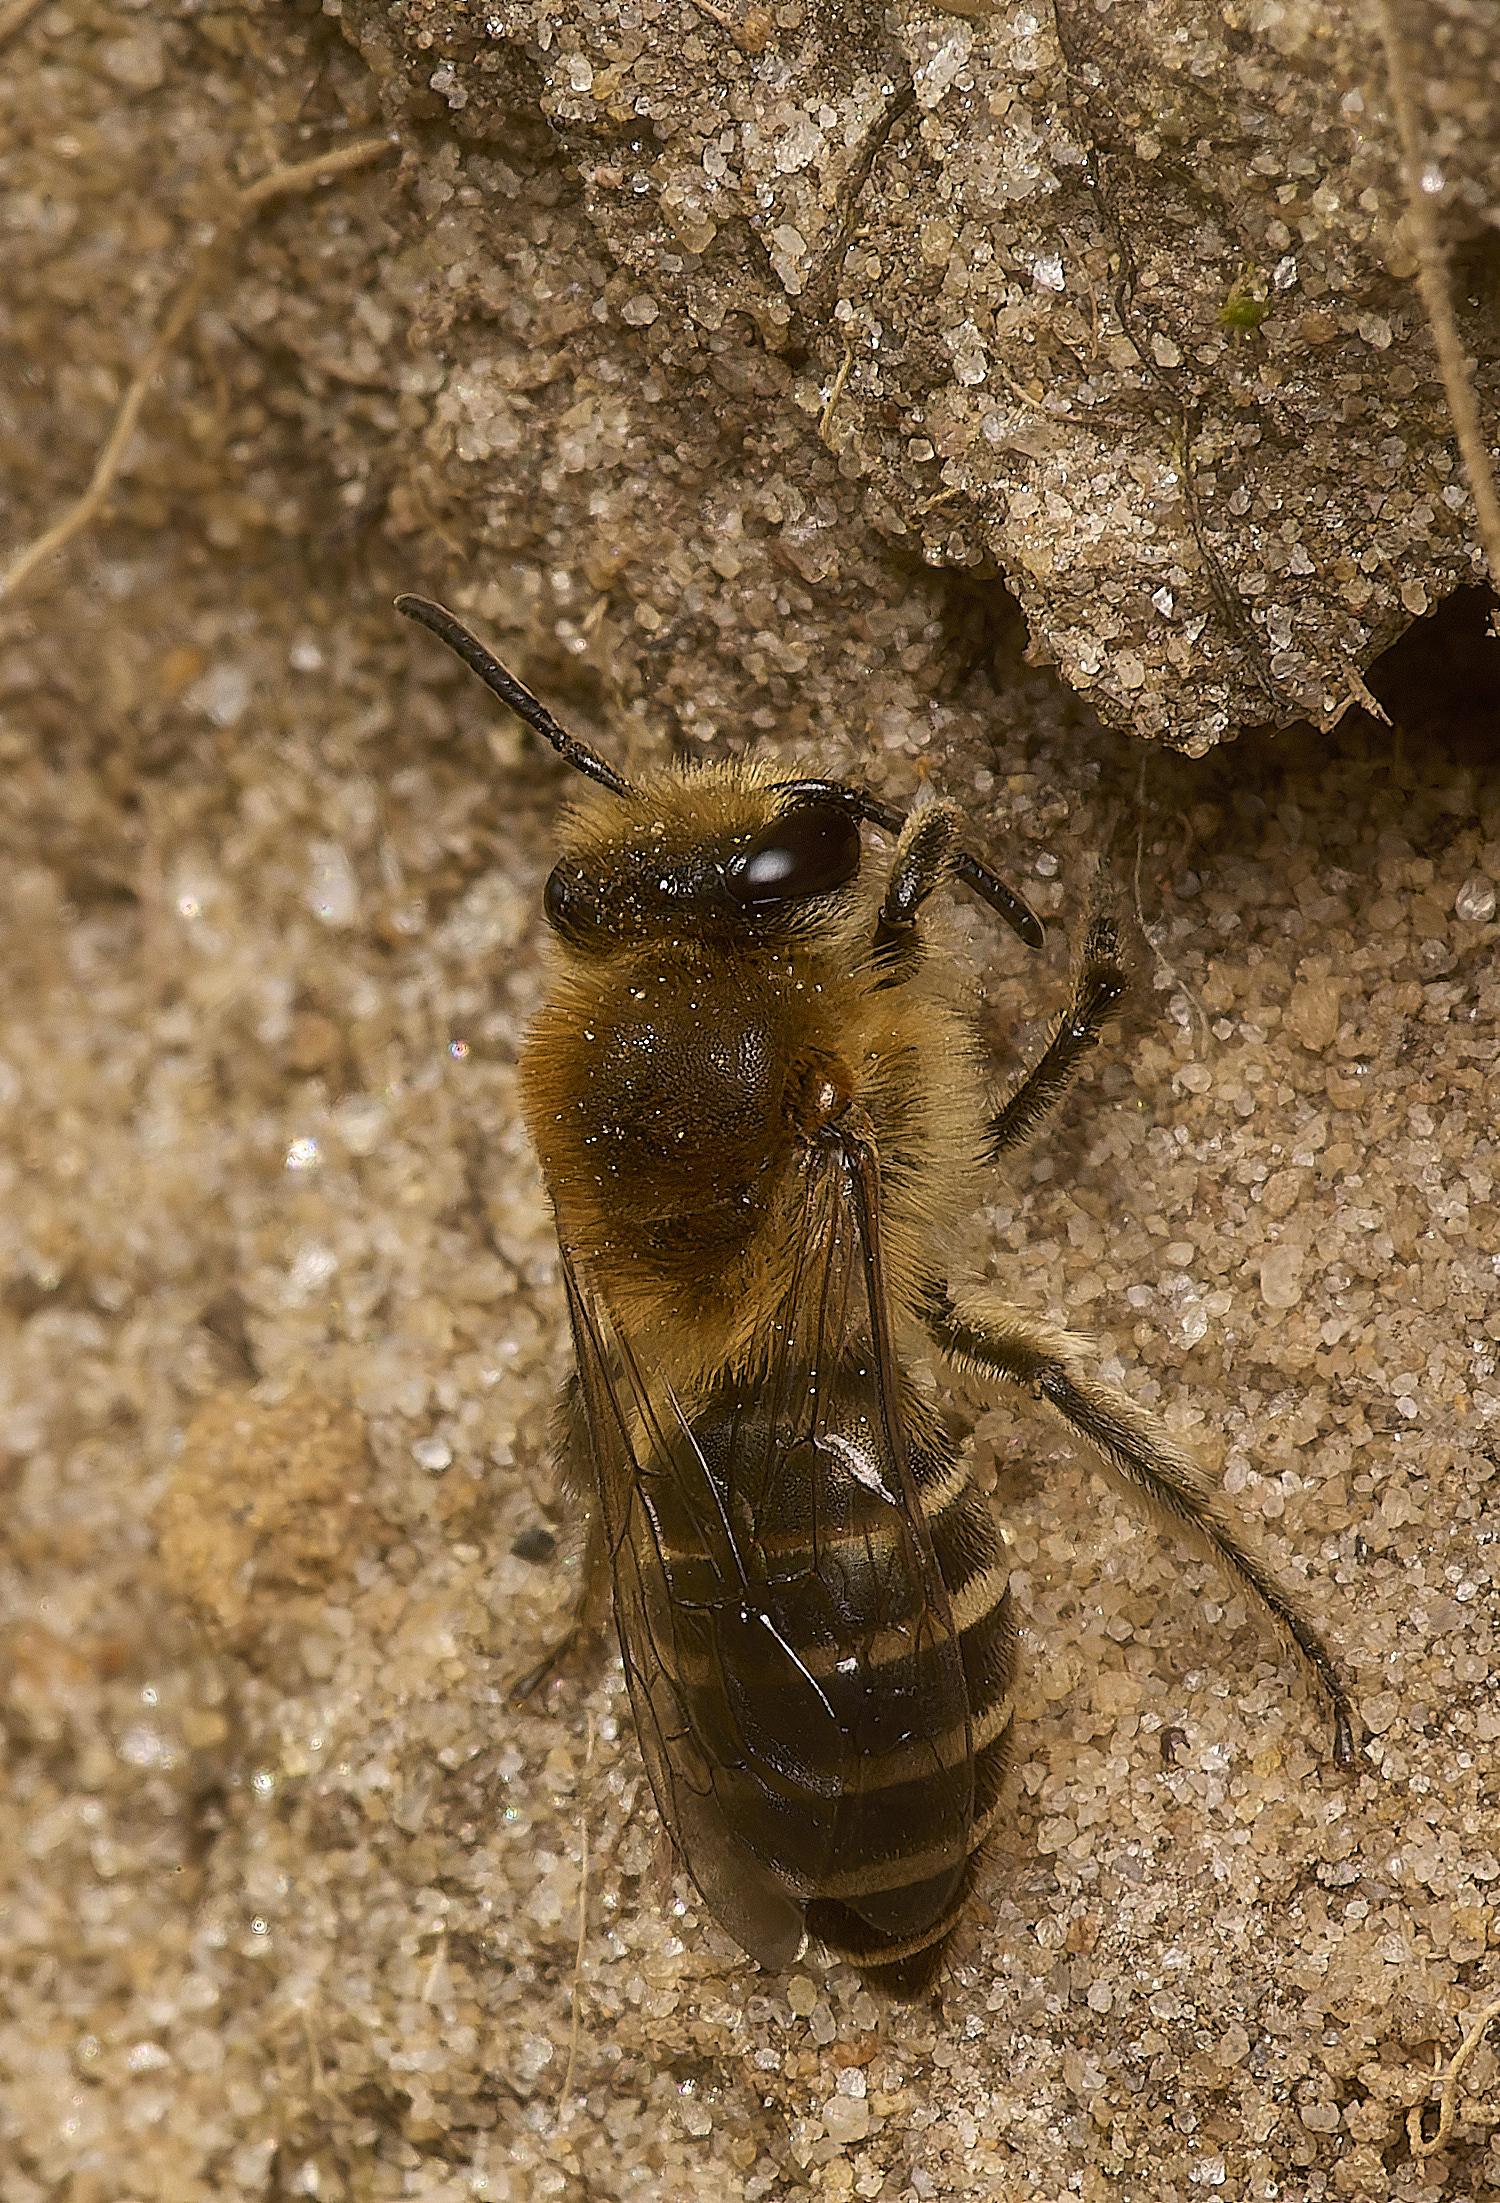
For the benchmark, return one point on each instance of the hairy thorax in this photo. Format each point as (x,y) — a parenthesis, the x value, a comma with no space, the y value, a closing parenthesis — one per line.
(676,1104)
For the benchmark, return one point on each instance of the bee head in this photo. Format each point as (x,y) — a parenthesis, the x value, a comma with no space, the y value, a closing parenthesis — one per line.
(771,872)
(699,854)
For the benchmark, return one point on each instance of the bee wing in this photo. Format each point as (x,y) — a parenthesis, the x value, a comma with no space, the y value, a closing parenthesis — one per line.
(692,1794)
(793,1663)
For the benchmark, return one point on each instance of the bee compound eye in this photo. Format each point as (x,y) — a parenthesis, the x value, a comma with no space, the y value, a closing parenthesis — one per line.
(571,903)
(804,853)
(556,897)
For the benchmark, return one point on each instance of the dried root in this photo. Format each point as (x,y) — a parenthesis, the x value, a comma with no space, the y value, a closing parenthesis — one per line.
(212,257)
(1478,2114)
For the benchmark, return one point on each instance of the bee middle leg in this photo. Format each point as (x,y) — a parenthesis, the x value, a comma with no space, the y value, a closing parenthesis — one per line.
(993,1339)
(1097,986)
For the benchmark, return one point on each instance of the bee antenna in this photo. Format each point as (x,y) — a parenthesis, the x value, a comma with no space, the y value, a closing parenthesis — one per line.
(1004,901)
(502,683)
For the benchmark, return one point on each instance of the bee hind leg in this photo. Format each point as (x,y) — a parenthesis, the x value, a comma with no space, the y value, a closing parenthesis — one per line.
(580,1642)
(577,1645)
(995,1340)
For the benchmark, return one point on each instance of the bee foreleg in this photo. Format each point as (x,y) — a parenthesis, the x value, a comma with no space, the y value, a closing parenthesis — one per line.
(996,1340)
(922,862)
(1097,986)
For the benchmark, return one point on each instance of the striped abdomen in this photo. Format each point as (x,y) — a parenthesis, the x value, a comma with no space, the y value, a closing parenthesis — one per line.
(843,1669)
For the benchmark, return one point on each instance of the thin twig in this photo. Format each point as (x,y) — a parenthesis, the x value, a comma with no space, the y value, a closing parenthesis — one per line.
(583,1922)
(1432,282)
(1164,963)
(1364,696)
(837,391)
(14,15)
(243,208)
(752,32)
(305,175)
(107,467)
(1448,2102)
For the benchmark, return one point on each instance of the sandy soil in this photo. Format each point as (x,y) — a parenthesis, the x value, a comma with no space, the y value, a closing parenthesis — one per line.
(290,1901)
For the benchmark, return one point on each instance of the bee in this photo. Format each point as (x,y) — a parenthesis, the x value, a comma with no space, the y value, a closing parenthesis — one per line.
(761,1115)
